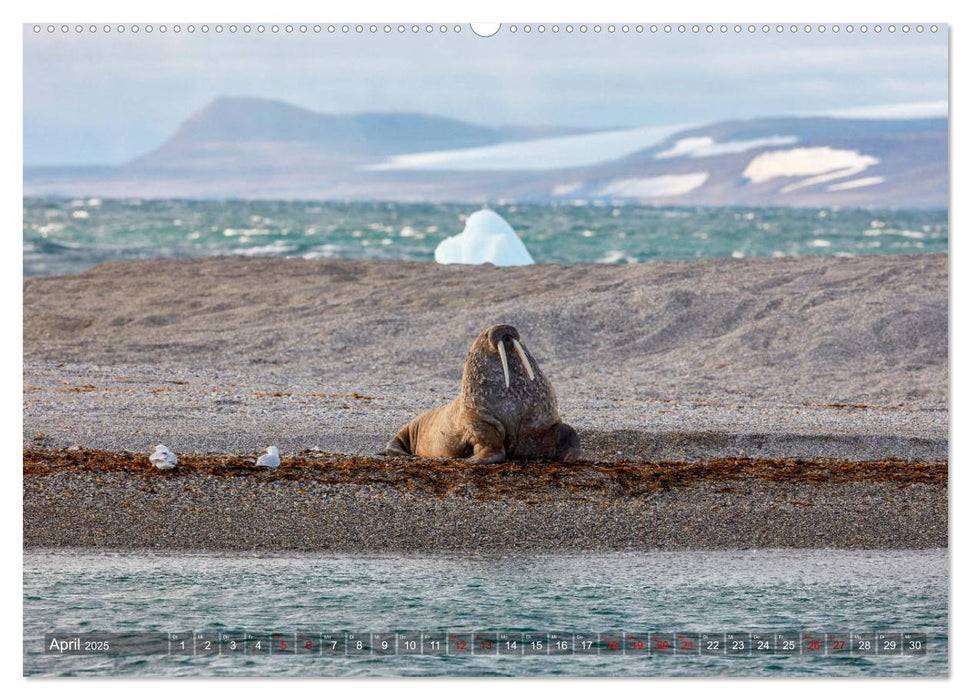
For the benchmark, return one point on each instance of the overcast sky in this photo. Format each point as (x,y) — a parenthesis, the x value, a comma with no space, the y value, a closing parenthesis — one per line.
(92,99)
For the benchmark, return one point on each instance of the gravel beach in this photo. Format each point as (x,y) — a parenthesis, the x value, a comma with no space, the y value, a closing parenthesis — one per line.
(684,362)
(319,502)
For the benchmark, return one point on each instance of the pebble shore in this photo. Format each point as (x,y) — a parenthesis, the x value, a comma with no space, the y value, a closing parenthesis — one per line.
(332,503)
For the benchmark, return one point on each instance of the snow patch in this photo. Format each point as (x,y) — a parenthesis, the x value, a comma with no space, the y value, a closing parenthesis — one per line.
(853,184)
(563,190)
(823,163)
(705,146)
(646,187)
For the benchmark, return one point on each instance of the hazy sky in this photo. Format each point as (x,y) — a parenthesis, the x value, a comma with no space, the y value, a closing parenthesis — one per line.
(107,98)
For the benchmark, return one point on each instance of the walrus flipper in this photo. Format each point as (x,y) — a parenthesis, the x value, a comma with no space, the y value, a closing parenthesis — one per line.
(487,454)
(400,444)
(487,438)
(567,443)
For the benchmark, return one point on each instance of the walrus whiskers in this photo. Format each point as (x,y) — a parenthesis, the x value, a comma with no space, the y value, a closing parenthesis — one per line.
(505,365)
(522,358)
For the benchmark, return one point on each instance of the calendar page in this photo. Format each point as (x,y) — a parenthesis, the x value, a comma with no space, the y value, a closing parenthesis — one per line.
(585,349)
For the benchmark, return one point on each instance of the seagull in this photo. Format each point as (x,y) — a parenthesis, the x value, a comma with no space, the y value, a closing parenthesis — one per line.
(270,458)
(163,458)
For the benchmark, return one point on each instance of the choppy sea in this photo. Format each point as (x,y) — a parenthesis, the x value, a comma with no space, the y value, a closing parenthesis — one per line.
(739,592)
(69,236)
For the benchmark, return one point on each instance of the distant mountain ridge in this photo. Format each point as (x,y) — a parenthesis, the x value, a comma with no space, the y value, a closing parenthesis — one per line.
(239,123)
(265,149)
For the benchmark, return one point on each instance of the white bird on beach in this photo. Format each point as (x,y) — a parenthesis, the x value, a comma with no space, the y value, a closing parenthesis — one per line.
(270,458)
(163,458)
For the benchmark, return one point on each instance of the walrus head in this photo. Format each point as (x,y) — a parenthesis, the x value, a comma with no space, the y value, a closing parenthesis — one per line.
(498,337)
(506,409)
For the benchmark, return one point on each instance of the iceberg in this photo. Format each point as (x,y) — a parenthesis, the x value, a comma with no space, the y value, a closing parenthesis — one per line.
(487,238)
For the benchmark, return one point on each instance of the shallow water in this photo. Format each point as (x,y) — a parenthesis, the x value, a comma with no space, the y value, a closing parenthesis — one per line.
(69,236)
(748,591)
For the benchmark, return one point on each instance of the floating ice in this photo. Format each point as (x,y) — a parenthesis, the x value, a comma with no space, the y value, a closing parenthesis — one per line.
(163,458)
(270,458)
(486,238)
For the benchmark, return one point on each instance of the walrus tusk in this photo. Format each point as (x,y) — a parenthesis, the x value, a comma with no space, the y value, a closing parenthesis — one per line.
(505,364)
(523,359)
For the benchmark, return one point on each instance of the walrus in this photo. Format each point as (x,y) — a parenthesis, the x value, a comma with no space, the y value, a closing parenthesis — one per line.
(505,411)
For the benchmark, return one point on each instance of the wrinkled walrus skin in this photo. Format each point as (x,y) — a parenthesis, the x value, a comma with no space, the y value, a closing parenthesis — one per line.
(499,415)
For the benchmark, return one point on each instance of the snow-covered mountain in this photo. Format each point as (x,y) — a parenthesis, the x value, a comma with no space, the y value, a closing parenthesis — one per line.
(246,148)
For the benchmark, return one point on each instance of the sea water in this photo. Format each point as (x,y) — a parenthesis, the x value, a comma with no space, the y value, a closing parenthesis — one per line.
(715,591)
(63,236)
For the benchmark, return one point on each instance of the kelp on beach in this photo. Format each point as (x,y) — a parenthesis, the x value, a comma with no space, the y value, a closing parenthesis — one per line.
(506,480)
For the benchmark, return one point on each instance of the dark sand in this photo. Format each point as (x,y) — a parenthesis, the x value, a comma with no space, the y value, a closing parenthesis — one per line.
(807,357)
(812,359)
